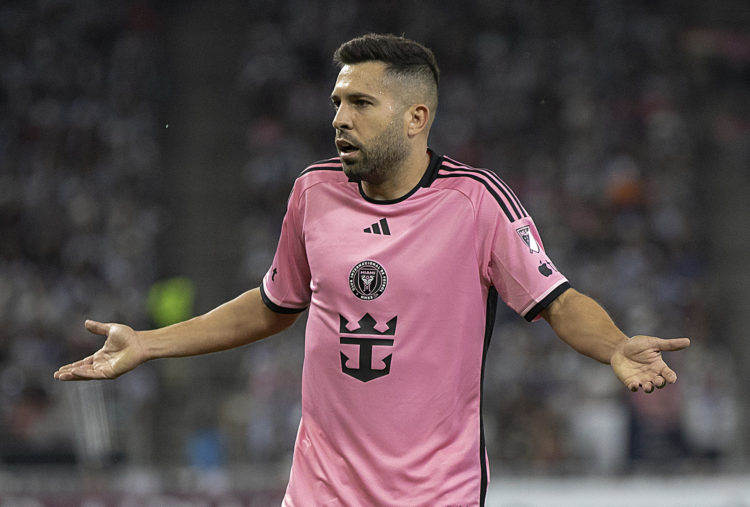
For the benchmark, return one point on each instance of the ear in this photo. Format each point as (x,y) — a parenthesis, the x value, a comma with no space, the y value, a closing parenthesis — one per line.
(417,120)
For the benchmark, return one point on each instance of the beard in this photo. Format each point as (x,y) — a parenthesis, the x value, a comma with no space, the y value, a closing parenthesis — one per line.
(380,159)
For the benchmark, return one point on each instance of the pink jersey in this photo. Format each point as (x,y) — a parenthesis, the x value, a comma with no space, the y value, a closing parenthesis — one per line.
(402,299)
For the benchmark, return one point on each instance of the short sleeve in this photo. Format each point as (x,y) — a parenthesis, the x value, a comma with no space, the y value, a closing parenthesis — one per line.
(520,270)
(286,285)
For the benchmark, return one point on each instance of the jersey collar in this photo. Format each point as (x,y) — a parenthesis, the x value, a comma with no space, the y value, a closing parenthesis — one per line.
(427,178)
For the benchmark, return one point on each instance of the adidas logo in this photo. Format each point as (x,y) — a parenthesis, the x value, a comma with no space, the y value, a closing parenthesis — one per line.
(379,228)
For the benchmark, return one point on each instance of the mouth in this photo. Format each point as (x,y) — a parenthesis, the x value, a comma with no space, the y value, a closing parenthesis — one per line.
(346,149)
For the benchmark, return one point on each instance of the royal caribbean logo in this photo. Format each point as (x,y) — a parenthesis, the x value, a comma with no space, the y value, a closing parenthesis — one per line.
(367,280)
(367,337)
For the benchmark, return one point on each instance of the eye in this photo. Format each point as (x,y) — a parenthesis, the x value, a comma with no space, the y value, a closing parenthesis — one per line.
(362,103)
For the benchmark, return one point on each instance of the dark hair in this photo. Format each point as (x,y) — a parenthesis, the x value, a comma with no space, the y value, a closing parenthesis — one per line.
(401,55)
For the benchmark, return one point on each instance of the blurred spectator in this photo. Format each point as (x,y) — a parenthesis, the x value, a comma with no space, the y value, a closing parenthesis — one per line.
(80,93)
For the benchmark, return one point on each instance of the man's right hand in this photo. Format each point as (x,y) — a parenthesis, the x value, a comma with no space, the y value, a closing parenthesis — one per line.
(122,351)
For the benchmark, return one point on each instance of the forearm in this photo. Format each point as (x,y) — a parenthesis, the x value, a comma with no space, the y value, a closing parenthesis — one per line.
(584,325)
(240,321)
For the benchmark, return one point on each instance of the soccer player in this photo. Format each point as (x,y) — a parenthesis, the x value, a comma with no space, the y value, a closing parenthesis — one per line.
(400,254)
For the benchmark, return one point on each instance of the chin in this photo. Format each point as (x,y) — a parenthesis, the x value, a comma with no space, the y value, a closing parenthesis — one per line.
(351,171)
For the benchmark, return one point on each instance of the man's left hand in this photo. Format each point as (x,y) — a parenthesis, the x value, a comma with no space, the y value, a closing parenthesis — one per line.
(638,362)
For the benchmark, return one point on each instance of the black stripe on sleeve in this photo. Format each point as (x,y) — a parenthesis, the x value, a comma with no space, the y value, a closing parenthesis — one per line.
(330,164)
(276,308)
(499,184)
(489,188)
(507,191)
(544,303)
(488,326)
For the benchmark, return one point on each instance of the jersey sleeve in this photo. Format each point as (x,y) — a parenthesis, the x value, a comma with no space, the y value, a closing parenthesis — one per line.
(286,285)
(519,268)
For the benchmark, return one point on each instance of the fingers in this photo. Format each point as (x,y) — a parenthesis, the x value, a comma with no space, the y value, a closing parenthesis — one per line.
(80,370)
(77,375)
(644,362)
(68,375)
(673,344)
(98,327)
(648,387)
(658,382)
(85,368)
(669,375)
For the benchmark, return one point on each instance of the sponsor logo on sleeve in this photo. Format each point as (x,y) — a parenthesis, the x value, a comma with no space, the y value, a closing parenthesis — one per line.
(546,268)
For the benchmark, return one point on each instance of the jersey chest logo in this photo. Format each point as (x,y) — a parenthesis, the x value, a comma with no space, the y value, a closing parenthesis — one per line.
(368,280)
(367,337)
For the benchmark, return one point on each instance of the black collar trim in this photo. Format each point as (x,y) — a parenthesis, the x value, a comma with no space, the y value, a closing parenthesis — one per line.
(427,178)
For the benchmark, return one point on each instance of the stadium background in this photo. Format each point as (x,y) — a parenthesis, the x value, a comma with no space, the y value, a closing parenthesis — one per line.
(147,149)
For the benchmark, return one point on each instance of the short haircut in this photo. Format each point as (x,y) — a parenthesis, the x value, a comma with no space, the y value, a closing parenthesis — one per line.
(403,58)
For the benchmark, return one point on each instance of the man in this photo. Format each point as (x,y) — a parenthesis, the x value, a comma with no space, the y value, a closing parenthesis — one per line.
(399,254)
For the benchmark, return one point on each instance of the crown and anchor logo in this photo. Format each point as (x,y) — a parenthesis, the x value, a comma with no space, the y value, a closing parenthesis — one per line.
(366,337)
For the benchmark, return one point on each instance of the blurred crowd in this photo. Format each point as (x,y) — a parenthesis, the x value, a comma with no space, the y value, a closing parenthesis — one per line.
(80,90)
(589,110)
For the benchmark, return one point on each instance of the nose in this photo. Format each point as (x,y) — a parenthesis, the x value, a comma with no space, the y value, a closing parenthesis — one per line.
(342,119)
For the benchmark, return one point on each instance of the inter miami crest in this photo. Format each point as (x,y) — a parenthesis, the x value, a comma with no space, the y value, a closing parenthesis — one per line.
(368,280)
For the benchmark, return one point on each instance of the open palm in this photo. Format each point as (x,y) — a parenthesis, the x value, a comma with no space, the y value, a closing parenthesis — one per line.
(120,353)
(638,363)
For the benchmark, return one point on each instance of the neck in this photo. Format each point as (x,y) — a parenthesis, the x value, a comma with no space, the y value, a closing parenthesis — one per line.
(404,178)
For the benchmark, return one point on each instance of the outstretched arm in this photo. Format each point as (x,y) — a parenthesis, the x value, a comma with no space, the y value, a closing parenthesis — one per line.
(584,325)
(242,320)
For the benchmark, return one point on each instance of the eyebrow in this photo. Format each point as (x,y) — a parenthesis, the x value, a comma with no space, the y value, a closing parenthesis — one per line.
(354,96)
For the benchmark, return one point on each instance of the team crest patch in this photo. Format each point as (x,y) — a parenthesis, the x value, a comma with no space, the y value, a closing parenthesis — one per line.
(525,234)
(367,280)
